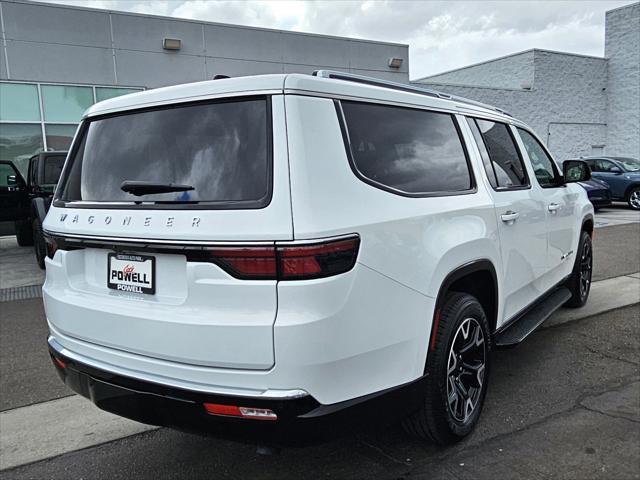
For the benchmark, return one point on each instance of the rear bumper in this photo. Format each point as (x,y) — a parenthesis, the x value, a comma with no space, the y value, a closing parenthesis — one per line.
(300,420)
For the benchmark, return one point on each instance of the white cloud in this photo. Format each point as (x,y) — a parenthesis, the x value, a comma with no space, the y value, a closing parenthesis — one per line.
(442,35)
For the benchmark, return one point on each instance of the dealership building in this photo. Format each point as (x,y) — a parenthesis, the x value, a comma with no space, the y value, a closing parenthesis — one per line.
(56,60)
(579,105)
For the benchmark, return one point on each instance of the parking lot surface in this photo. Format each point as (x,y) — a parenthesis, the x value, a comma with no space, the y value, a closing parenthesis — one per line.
(565,404)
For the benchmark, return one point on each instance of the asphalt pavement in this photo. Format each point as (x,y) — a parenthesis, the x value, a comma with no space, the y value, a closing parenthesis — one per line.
(565,404)
(562,405)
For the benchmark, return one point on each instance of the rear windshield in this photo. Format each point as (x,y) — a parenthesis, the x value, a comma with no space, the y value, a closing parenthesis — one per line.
(52,168)
(220,151)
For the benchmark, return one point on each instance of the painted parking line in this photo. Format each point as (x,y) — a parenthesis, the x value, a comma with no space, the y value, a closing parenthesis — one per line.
(608,217)
(44,430)
(48,429)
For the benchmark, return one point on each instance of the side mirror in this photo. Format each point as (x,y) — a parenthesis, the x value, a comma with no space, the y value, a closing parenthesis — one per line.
(575,171)
(615,169)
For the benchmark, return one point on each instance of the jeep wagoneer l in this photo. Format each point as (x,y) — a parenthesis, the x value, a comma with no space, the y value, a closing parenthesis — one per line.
(259,256)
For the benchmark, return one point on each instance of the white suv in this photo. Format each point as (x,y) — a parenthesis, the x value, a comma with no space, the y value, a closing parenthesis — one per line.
(259,255)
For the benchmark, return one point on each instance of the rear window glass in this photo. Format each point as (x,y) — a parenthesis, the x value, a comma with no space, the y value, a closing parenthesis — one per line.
(219,153)
(52,168)
(407,150)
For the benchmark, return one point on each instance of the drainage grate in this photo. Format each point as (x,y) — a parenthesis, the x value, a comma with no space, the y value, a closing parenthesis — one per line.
(20,293)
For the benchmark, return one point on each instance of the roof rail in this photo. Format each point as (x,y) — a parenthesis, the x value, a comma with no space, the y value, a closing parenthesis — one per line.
(352,77)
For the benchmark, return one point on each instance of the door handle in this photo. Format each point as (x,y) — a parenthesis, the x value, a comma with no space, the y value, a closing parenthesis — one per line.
(553,207)
(509,216)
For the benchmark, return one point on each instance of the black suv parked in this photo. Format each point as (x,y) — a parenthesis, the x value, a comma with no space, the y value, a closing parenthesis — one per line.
(28,201)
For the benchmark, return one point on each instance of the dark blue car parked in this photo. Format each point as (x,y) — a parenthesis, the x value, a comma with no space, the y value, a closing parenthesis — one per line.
(622,174)
(598,192)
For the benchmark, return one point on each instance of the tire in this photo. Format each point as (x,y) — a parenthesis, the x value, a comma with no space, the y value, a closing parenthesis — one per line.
(439,420)
(39,247)
(633,199)
(24,235)
(579,283)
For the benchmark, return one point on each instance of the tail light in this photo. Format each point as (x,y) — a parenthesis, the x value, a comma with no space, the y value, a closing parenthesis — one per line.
(249,262)
(51,246)
(288,262)
(315,261)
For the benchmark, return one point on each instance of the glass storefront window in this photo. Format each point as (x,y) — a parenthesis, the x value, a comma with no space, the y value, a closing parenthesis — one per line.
(104,93)
(19,102)
(65,103)
(59,136)
(18,142)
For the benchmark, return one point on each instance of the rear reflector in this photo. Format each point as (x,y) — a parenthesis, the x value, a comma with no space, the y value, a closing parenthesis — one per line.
(58,363)
(288,262)
(242,412)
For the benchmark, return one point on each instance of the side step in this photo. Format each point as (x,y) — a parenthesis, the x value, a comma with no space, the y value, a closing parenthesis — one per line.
(524,326)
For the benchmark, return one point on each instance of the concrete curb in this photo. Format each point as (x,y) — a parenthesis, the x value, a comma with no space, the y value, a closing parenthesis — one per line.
(605,295)
(63,425)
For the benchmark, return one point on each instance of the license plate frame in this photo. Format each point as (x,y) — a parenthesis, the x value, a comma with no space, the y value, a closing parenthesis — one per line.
(141,283)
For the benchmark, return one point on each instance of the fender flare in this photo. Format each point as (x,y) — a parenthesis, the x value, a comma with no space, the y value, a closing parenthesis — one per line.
(460,272)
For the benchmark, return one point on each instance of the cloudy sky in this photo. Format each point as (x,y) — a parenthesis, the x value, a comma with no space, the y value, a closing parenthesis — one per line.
(441,35)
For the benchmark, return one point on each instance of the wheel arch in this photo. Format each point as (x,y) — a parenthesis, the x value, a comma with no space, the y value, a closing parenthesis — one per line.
(587,225)
(630,187)
(477,278)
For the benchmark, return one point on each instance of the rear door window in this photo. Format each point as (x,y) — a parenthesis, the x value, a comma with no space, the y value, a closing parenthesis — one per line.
(498,144)
(221,150)
(406,151)
(52,168)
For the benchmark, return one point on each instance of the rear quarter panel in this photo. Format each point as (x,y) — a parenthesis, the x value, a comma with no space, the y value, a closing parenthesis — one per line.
(412,242)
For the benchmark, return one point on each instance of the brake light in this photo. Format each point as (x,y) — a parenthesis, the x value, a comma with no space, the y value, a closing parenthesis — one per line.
(51,246)
(242,412)
(247,262)
(319,260)
(288,262)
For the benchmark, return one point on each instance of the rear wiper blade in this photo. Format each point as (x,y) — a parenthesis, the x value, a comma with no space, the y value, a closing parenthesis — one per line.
(139,188)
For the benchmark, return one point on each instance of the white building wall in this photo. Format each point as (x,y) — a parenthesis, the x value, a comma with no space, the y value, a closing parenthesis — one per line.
(566,105)
(512,71)
(622,48)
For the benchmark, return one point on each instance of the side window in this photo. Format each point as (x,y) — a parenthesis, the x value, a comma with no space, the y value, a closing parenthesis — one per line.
(592,165)
(605,165)
(543,165)
(410,151)
(488,167)
(502,151)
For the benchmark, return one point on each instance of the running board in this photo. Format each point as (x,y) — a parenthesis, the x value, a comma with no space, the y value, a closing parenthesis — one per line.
(524,326)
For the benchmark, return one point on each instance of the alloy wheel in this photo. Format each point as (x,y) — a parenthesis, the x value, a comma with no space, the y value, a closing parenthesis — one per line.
(634,199)
(586,267)
(466,369)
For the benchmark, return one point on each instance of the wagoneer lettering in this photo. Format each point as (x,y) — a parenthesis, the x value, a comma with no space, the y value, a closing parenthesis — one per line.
(274,261)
